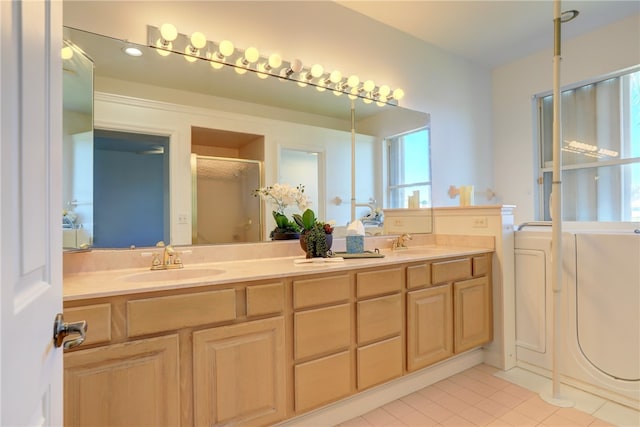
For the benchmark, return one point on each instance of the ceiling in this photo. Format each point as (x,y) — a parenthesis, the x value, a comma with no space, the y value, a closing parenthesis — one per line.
(492,33)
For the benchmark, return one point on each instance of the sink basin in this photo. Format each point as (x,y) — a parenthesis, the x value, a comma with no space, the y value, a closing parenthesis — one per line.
(172,275)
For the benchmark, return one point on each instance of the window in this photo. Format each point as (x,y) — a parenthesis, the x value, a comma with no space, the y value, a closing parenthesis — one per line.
(409,169)
(600,150)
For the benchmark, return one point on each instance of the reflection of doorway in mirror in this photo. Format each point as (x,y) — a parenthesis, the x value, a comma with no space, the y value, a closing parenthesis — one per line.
(302,167)
(131,203)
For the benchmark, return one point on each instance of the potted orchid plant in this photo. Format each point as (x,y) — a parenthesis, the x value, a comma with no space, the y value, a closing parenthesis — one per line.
(280,196)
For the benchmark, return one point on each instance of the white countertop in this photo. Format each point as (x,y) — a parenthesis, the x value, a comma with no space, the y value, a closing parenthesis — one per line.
(136,280)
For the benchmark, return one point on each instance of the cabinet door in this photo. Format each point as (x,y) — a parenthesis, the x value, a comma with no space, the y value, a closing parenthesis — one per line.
(136,383)
(239,374)
(472,308)
(429,326)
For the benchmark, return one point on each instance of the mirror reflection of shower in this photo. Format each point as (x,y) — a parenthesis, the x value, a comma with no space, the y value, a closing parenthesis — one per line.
(224,208)
(226,167)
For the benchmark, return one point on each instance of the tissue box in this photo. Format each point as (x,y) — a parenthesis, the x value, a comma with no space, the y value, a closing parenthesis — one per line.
(355,244)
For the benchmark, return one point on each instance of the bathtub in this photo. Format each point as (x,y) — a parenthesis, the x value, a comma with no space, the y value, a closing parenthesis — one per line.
(600,307)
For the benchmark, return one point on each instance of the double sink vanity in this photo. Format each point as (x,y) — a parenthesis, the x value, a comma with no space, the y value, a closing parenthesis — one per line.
(261,340)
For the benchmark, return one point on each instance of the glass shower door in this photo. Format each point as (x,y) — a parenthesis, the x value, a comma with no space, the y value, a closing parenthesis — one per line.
(224,208)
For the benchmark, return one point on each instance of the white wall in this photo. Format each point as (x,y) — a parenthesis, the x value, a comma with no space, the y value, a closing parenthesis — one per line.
(456,92)
(608,49)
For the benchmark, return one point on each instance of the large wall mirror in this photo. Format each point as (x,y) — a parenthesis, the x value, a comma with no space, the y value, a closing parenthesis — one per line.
(174,111)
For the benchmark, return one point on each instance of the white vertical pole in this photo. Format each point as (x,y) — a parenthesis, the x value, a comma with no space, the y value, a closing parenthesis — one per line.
(556,191)
(556,215)
(353,160)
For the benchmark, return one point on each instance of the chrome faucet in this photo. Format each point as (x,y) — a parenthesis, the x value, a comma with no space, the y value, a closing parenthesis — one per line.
(401,242)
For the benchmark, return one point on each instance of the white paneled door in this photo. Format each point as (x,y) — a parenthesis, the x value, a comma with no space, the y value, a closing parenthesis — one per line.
(30,211)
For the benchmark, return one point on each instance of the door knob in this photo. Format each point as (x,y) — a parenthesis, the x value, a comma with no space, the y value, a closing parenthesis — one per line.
(61,330)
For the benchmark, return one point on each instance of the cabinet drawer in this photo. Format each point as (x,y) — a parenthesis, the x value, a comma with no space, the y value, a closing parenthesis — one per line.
(322,381)
(378,282)
(379,362)
(480,265)
(418,276)
(449,271)
(379,318)
(326,290)
(321,331)
(98,319)
(146,316)
(265,299)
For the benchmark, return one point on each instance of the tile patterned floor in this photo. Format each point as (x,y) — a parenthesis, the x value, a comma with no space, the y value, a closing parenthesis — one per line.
(474,397)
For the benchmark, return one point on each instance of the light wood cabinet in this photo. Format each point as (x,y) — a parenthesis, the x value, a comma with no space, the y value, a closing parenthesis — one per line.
(379,326)
(135,383)
(260,352)
(473,313)
(429,326)
(239,374)
(322,340)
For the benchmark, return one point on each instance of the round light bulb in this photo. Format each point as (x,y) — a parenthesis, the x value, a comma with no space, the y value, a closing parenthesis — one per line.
(317,70)
(384,91)
(163,49)
(275,60)
(296,66)
(66,52)
(189,54)
(262,72)
(353,94)
(367,100)
(353,81)
(216,65)
(168,32)
(302,79)
(337,93)
(368,86)
(226,48)
(240,67)
(251,54)
(380,104)
(398,94)
(198,40)
(335,76)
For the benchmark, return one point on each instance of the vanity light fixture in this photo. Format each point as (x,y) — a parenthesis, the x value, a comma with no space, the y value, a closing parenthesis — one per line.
(166,40)
(264,68)
(197,41)
(225,49)
(243,63)
(168,33)
(294,67)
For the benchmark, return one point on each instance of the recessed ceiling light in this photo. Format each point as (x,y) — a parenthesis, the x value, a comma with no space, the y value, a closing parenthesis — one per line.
(132,51)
